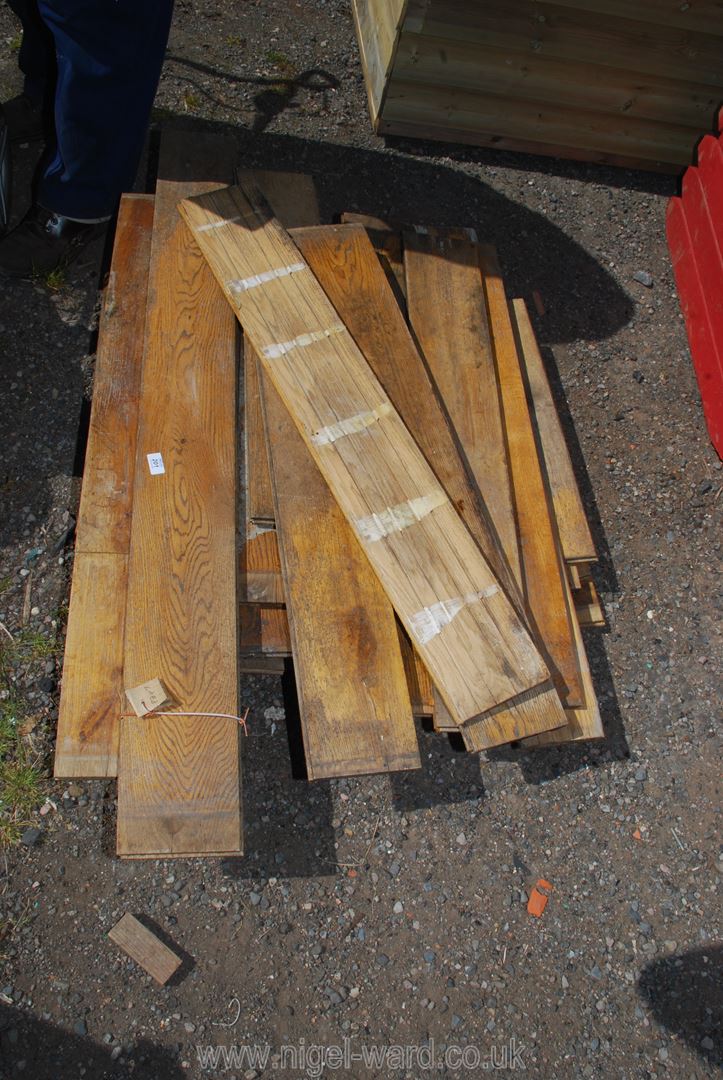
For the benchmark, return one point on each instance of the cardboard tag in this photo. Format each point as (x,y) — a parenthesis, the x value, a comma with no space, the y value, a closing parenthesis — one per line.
(155,464)
(147,697)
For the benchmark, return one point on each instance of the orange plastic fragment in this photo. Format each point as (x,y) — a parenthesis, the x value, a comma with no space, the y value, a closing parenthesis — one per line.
(637,835)
(538,900)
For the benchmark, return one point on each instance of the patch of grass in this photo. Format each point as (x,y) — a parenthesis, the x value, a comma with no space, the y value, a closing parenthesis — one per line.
(9,712)
(33,645)
(55,279)
(5,583)
(15,42)
(235,41)
(21,778)
(191,100)
(281,61)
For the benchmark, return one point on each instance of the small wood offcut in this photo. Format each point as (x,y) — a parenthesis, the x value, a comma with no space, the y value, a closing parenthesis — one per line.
(352,481)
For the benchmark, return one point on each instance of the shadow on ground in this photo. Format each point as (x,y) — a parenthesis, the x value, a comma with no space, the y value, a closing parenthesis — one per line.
(685,993)
(50,1053)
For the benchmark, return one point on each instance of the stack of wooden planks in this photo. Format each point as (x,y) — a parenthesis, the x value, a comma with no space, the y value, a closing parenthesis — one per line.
(412,534)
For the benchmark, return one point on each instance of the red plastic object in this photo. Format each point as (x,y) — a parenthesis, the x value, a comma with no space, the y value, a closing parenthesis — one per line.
(695,239)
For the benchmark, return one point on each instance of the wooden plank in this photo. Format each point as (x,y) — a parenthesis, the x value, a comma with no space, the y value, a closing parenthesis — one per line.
(422,126)
(575,536)
(565,33)
(544,581)
(263,628)
(387,243)
(453,335)
(343,262)
(294,201)
(91,697)
(703,16)
(377,24)
(92,686)
(145,948)
(517,73)
(588,607)
(260,568)
(105,502)
(259,494)
(585,722)
(261,665)
(421,690)
(355,711)
(178,790)
(498,119)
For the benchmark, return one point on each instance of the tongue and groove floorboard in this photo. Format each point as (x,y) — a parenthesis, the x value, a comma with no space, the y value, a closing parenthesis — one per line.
(179,780)
(543,572)
(91,698)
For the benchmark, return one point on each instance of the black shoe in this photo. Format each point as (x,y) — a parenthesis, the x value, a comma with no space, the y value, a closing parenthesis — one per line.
(24,119)
(44,241)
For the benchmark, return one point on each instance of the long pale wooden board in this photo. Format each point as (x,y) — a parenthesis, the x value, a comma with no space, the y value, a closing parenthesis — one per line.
(293,198)
(471,640)
(344,263)
(354,705)
(543,575)
(179,782)
(575,536)
(583,722)
(92,686)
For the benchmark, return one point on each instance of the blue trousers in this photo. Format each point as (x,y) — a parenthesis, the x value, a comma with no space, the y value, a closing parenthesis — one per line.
(97,64)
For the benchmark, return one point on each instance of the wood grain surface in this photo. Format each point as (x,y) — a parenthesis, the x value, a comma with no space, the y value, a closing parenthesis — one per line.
(572,524)
(92,685)
(354,705)
(142,945)
(471,640)
(343,262)
(543,576)
(179,782)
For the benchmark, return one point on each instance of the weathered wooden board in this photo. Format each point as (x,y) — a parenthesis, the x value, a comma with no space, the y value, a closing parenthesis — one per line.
(104,514)
(259,494)
(572,524)
(356,716)
(472,642)
(294,201)
(421,690)
(92,685)
(582,723)
(588,607)
(343,261)
(91,697)
(378,23)
(454,337)
(179,781)
(543,575)
(142,945)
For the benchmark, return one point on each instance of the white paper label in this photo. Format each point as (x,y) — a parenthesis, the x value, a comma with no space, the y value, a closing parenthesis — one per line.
(155,464)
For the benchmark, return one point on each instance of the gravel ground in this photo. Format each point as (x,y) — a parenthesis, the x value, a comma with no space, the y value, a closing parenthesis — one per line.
(393,910)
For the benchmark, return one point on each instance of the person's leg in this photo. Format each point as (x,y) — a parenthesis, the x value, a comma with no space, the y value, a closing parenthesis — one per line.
(109,57)
(25,112)
(36,58)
